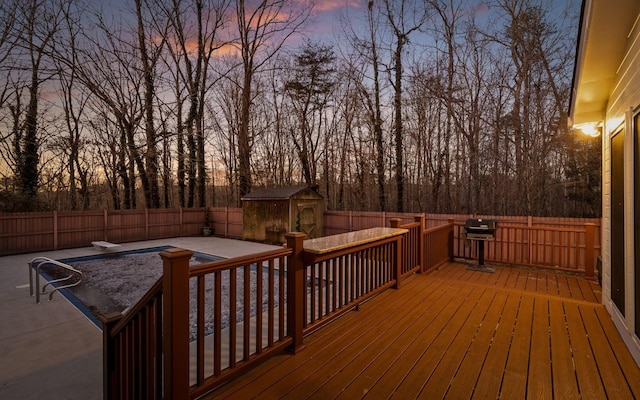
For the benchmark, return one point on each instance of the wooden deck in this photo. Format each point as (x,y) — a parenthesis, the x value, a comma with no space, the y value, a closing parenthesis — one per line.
(459,334)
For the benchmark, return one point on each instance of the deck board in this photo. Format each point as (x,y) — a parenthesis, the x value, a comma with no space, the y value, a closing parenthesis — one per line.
(458,334)
(612,376)
(514,383)
(624,358)
(438,364)
(564,381)
(539,377)
(394,350)
(586,369)
(377,362)
(466,376)
(492,370)
(403,371)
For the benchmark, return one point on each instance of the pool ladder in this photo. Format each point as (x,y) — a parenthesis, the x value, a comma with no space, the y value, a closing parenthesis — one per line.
(39,262)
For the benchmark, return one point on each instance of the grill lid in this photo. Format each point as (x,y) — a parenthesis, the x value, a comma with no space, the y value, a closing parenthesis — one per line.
(479,225)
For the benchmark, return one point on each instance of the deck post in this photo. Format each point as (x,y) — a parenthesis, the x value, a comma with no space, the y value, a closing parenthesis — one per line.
(296,289)
(175,305)
(397,267)
(421,250)
(398,261)
(590,252)
(109,370)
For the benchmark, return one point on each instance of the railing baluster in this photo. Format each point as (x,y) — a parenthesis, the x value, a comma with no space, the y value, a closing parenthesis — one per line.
(284,270)
(217,323)
(271,306)
(246,350)
(259,306)
(232,316)
(200,291)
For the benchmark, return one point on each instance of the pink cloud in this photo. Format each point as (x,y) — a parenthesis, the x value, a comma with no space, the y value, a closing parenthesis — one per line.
(331,5)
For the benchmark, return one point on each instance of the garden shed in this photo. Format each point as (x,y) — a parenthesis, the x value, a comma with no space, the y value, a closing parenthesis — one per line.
(269,213)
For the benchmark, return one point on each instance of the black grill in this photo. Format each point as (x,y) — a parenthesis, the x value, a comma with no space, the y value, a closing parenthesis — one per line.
(480,230)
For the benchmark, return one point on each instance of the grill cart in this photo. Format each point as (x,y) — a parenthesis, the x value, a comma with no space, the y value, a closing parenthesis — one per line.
(480,230)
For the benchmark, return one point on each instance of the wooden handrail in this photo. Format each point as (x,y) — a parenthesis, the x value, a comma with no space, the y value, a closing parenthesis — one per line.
(319,287)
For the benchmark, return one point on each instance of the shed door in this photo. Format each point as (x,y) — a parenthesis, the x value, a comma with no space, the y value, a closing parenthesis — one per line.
(617,221)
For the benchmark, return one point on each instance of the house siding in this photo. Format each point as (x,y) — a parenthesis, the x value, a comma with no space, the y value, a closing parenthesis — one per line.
(624,103)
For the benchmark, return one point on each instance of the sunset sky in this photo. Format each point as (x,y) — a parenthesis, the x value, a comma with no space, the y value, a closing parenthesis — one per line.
(328,16)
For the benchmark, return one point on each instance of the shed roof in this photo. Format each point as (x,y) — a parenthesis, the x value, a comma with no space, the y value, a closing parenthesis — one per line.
(277,193)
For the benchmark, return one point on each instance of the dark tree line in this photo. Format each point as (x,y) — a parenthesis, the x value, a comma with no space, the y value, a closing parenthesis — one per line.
(451,106)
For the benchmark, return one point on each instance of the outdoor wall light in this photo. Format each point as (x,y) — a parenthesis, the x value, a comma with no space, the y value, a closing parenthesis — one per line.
(593,129)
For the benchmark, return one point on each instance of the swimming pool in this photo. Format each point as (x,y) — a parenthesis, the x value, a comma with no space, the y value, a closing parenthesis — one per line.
(114,282)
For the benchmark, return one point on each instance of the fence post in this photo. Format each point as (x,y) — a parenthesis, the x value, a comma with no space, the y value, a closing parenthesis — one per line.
(590,251)
(530,239)
(226,222)
(421,249)
(296,289)
(55,230)
(109,370)
(175,324)
(451,237)
(146,224)
(181,217)
(105,220)
(395,222)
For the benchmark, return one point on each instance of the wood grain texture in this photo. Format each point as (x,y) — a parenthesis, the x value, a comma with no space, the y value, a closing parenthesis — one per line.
(459,334)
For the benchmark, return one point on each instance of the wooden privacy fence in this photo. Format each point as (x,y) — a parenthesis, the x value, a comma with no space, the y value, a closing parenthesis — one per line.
(48,231)
(565,244)
(557,243)
(570,249)
(200,326)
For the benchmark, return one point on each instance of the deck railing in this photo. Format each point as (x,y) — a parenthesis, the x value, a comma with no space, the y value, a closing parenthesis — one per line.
(203,343)
(425,249)
(438,246)
(132,349)
(202,325)
(199,326)
(338,281)
(412,254)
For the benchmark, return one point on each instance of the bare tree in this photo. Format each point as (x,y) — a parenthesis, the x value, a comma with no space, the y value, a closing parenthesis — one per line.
(526,36)
(27,43)
(149,51)
(365,73)
(263,29)
(404,17)
(126,89)
(74,99)
(375,110)
(193,67)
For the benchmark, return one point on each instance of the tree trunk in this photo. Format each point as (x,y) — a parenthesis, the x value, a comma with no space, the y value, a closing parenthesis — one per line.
(397,103)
